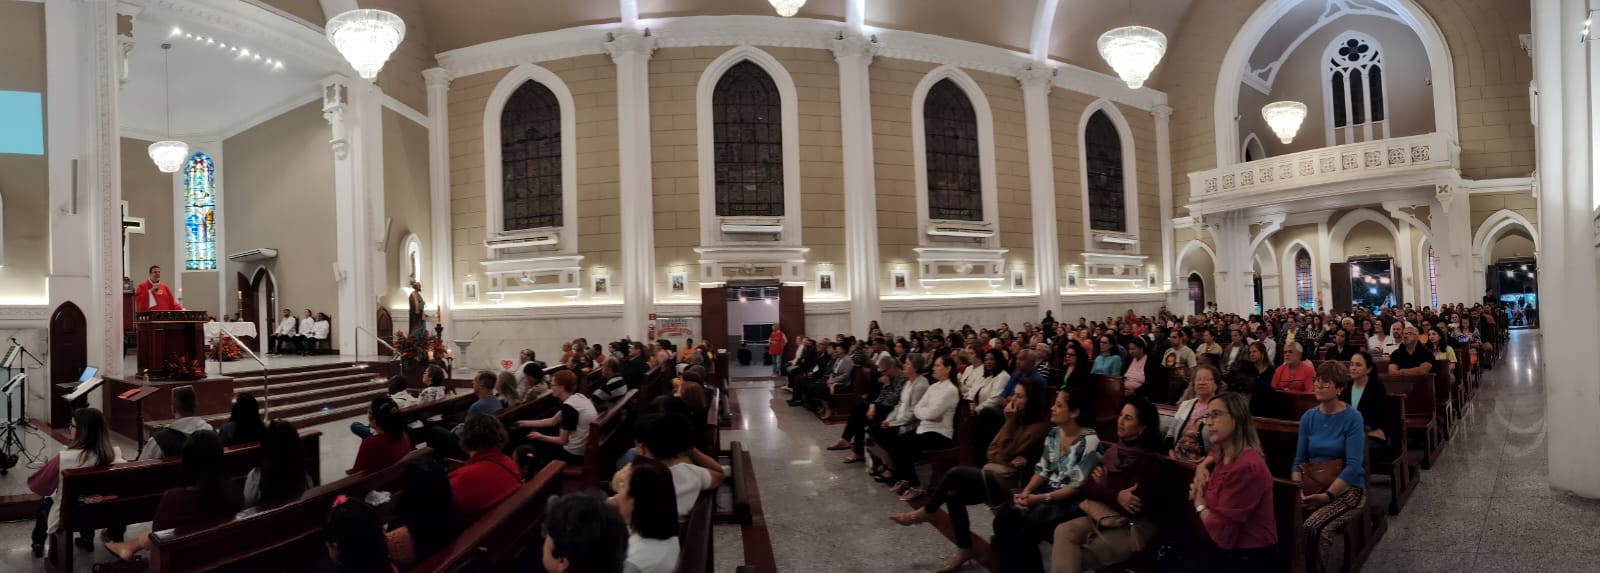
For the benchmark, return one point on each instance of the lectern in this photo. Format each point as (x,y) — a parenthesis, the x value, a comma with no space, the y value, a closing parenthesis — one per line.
(167,335)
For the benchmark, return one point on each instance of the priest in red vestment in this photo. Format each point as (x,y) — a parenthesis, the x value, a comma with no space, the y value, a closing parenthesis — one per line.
(154,294)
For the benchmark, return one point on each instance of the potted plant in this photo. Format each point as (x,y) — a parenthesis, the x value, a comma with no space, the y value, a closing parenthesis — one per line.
(415,353)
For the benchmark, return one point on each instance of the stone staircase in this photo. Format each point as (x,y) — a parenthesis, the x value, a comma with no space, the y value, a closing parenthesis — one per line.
(306,395)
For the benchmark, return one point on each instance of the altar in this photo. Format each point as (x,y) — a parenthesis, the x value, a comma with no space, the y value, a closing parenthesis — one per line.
(167,335)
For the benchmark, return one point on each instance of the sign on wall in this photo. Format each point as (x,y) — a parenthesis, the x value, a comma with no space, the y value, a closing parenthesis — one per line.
(673,328)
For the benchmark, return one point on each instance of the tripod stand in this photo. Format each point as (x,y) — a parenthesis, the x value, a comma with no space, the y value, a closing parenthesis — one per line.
(12,450)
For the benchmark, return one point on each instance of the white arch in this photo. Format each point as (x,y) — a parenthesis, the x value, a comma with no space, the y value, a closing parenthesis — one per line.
(789,115)
(1235,65)
(1244,149)
(919,148)
(1496,226)
(411,244)
(1291,296)
(1189,248)
(1424,288)
(1266,257)
(493,180)
(1130,170)
(1340,230)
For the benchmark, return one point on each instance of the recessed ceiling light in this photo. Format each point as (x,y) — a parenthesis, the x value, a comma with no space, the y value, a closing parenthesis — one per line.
(278,66)
(176,30)
(210,41)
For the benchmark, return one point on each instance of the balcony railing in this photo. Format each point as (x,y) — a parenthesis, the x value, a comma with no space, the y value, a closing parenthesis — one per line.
(1319,167)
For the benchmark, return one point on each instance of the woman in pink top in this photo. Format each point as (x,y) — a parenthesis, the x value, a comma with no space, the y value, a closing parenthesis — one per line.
(1232,492)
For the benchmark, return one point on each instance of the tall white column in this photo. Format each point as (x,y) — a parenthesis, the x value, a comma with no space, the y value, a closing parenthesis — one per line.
(1036,83)
(1568,285)
(1451,220)
(1163,115)
(854,54)
(631,52)
(438,81)
(1235,278)
(353,108)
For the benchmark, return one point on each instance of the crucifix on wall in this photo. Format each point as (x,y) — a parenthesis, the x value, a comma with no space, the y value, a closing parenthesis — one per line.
(134,225)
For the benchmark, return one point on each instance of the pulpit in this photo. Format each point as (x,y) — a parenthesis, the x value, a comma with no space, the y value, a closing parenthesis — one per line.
(167,335)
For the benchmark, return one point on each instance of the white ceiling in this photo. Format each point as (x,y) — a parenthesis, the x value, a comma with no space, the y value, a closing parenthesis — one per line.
(213,90)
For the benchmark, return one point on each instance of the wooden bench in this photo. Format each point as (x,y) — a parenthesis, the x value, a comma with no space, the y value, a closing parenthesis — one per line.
(1421,412)
(839,404)
(1287,516)
(711,432)
(941,461)
(1107,403)
(508,534)
(695,545)
(610,435)
(1396,464)
(267,538)
(134,490)
(739,482)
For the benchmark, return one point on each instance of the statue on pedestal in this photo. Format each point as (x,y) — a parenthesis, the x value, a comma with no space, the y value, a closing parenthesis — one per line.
(417,317)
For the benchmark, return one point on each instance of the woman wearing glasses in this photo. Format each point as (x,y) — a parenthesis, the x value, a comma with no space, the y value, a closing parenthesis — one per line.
(1107,362)
(1232,492)
(1332,439)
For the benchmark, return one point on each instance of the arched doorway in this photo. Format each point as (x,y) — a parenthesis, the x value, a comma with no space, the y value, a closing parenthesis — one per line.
(1197,293)
(258,304)
(69,355)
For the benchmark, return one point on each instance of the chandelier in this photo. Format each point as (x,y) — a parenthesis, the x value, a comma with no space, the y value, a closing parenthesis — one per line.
(787,8)
(1285,118)
(366,38)
(168,154)
(1133,51)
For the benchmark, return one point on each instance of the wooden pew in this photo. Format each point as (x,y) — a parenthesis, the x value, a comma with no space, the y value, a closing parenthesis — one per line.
(1421,412)
(695,553)
(610,435)
(448,407)
(508,534)
(1287,515)
(1107,403)
(940,461)
(739,481)
(137,488)
(839,404)
(711,431)
(267,538)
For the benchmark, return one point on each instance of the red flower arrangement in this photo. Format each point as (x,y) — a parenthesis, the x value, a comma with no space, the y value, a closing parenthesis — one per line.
(225,349)
(420,348)
(185,368)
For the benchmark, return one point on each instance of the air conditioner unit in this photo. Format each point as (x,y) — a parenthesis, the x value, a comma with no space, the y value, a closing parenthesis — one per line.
(535,240)
(1116,239)
(971,230)
(734,228)
(254,255)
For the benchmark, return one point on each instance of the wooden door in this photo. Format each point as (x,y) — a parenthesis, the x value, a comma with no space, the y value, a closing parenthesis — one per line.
(69,355)
(385,330)
(1339,285)
(1396,285)
(1197,293)
(714,330)
(792,316)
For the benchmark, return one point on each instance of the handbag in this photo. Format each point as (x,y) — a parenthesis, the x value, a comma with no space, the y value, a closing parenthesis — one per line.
(1103,515)
(1317,477)
(43,481)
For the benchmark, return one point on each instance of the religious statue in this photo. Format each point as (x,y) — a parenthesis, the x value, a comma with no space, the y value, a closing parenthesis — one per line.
(417,318)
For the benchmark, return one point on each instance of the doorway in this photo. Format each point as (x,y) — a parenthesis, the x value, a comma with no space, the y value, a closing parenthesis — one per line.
(1197,293)
(740,316)
(1372,283)
(1515,283)
(258,304)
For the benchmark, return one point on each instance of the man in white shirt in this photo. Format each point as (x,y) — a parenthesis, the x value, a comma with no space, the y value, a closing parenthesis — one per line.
(302,340)
(319,333)
(284,334)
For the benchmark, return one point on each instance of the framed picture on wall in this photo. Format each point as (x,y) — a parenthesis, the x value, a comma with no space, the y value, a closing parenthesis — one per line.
(1072,279)
(1019,280)
(825,282)
(678,283)
(469,291)
(602,286)
(1150,279)
(900,281)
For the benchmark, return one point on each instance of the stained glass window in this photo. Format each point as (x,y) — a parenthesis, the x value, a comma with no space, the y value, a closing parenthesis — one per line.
(530,159)
(1102,147)
(747,133)
(955,187)
(1433,277)
(1304,295)
(199,213)
(1356,83)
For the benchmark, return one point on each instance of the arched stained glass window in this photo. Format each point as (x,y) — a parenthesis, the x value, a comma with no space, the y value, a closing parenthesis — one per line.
(1433,277)
(747,131)
(1355,90)
(1303,283)
(199,213)
(530,159)
(955,186)
(1102,148)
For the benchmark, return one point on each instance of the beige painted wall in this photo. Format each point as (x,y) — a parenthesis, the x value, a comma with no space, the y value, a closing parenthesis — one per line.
(1066,112)
(149,194)
(674,77)
(402,74)
(280,194)
(24,179)
(1485,205)
(1514,244)
(891,83)
(1011,172)
(406,198)
(1370,234)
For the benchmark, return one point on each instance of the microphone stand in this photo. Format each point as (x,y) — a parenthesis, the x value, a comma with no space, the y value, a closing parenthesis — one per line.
(24,420)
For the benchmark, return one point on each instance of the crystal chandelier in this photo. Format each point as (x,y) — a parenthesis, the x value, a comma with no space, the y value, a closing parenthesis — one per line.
(168,154)
(1133,51)
(366,38)
(1285,118)
(787,8)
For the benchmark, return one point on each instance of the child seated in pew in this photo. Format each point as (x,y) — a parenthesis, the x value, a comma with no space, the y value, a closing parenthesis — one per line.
(355,540)
(386,447)
(583,534)
(282,474)
(428,520)
(649,505)
(203,494)
(488,476)
(572,422)
(666,438)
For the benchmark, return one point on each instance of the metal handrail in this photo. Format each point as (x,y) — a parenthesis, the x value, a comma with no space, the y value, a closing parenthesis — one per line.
(266,382)
(357,344)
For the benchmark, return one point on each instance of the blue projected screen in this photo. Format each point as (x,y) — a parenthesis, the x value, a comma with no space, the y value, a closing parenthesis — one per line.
(21,123)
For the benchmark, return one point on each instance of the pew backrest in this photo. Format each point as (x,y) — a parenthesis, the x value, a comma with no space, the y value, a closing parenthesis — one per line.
(501,535)
(1418,390)
(447,407)
(695,551)
(610,435)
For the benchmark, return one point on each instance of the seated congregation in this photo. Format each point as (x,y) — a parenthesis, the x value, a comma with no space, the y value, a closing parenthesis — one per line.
(1202,443)
(444,479)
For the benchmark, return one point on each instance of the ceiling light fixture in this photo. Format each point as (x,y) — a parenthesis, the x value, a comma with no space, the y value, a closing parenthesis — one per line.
(1285,118)
(1133,52)
(787,8)
(366,38)
(168,154)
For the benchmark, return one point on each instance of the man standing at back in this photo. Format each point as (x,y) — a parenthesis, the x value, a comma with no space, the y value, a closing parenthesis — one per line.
(152,294)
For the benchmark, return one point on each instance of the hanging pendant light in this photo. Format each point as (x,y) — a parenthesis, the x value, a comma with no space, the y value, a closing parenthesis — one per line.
(1133,51)
(787,8)
(168,154)
(1285,118)
(366,38)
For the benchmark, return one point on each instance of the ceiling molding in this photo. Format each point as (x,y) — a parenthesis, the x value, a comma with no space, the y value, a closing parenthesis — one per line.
(401,108)
(1264,77)
(266,26)
(767,31)
(1503,185)
(315,94)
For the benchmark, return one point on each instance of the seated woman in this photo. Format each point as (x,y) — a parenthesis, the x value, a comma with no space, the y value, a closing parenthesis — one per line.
(1331,436)
(1123,498)
(433,379)
(649,505)
(354,537)
(1075,365)
(1107,361)
(1340,349)
(427,514)
(1367,394)
(489,475)
(1022,439)
(203,494)
(571,423)
(1185,440)
(506,389)
(282,474)
(901,419)
(88,446)
(864,416)
(666,438)
(244,424)
(386,447)
(1232,492)
(935,414)
(1441,348)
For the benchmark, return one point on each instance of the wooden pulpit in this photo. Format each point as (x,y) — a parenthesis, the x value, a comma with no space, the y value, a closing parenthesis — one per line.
(166,335)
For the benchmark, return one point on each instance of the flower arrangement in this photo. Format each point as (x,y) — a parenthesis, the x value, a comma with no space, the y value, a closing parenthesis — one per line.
(224,349)
(420,348)
(185,368)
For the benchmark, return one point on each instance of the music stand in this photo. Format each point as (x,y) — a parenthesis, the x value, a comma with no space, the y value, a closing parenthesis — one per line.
(10,436)
(11,356)
(137,396)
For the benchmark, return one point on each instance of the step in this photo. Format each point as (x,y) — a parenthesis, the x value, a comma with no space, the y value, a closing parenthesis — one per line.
(294,404)
(278,389)
(248,377)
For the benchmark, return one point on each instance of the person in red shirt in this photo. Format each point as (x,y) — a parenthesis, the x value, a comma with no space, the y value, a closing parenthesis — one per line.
(152,294)
(1232,492)
(489,476)
(1294,375)
(385,448)
(775,344)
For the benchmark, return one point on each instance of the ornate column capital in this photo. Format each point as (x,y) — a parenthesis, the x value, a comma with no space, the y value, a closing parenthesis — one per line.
(1037,76)
(631,43)
(435,77)
(852,45)
(1162,112)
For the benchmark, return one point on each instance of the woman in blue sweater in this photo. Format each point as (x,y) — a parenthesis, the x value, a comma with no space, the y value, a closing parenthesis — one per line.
(1108,362)
(1333,431)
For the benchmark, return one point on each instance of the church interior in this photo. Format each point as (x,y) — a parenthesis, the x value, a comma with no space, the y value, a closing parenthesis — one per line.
(310,213)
